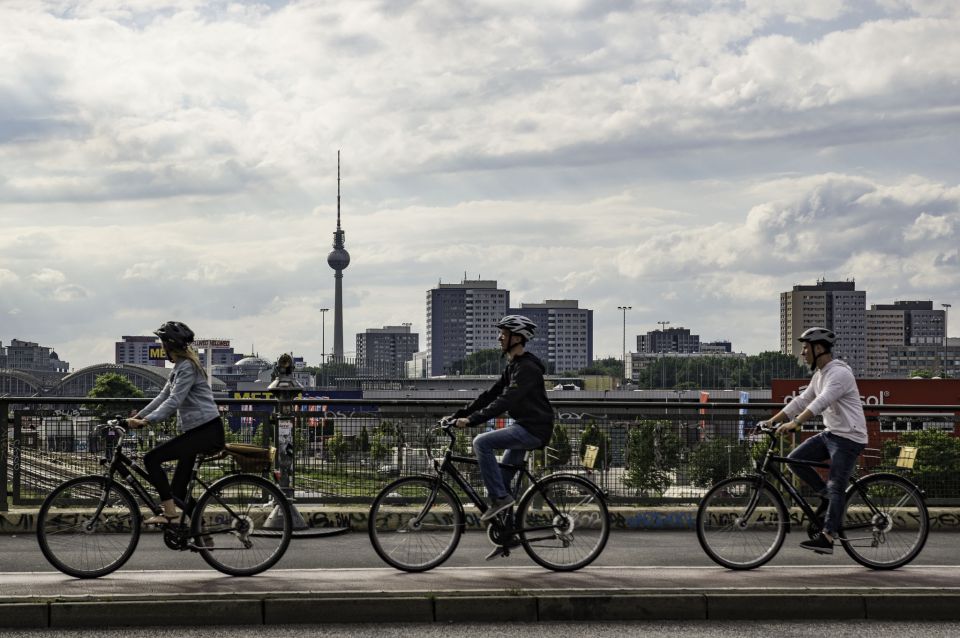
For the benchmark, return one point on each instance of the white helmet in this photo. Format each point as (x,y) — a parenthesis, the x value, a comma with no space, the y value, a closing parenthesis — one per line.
(518,325)
(814,335)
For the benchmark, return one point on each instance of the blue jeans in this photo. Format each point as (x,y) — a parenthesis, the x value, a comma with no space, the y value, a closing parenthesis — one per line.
(516,440)
(843,454)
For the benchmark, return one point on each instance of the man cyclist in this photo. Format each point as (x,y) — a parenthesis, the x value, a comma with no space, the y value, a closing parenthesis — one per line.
(832,392)
(520,392)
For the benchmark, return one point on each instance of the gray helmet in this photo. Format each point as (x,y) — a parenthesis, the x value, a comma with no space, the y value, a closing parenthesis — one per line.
(175,334)
(518,325)
(815,335)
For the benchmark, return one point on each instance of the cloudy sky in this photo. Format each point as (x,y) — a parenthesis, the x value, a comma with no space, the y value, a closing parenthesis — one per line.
(177,159)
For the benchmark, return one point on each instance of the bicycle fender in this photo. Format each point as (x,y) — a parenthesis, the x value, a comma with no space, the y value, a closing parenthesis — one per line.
(886,475)
(568,475)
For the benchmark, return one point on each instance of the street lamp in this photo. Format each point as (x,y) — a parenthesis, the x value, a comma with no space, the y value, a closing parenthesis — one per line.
(946,340)
(323,344)
(626,374)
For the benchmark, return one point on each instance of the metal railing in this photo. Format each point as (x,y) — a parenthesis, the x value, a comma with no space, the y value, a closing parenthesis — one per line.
(346,450)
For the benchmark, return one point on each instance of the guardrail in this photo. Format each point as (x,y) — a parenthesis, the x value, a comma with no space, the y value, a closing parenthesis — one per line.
(345,450)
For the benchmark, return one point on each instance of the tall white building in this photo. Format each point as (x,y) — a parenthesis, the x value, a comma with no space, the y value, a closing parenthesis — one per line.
(461,320)
(836,305)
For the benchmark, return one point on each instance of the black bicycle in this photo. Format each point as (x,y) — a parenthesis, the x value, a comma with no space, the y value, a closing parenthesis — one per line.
(742,521)
(561,521)
(89,526)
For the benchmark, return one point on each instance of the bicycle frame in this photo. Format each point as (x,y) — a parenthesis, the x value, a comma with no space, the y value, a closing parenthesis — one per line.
(764,468)
(447,466)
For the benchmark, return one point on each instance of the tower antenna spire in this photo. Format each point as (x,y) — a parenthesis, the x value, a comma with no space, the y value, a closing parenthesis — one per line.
(338,189)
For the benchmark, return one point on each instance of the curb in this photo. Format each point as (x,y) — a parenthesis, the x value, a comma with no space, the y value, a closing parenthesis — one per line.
(428,607)
(23,520)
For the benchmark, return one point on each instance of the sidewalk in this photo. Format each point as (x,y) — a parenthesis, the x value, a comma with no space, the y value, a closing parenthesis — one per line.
(21,520)
(503,594)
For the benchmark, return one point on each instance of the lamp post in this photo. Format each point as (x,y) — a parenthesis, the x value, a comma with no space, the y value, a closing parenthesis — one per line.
(946,340)
(626,374)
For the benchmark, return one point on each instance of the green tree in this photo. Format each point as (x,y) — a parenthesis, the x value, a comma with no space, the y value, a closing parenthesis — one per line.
(922,373)
(937,463)
(593,435)
(560,442)
(363,440)
(715,459)
(610,366)
(337,446)
(378,446)
(653,452)
(114,386)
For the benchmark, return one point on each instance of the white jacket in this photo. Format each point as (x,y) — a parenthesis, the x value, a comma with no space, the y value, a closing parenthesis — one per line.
(833,392)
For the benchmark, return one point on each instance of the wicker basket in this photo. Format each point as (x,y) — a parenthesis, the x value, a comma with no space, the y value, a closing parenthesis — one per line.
(251,458)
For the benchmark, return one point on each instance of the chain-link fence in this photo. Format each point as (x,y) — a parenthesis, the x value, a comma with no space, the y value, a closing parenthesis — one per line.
(347,450)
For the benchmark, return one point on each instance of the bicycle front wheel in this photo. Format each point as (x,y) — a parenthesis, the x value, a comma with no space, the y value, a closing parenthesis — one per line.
(563,523)
(415,523)
(741,523)
(885,522)
(242,525)
(88,527)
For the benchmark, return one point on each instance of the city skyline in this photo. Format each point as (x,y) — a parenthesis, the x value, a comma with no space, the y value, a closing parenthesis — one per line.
(688,162)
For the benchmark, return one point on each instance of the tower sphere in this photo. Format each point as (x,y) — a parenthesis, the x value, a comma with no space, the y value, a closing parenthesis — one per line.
(338,259)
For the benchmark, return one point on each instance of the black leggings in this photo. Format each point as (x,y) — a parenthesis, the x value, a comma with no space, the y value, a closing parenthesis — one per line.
(184,449)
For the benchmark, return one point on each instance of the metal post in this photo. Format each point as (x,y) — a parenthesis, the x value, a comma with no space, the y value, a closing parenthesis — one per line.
(4,426)
(627,374)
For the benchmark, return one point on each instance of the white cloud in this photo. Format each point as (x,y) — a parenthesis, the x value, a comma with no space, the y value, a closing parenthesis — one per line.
(178,158)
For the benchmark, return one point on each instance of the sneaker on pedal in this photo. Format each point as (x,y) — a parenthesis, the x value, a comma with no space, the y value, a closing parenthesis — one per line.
(497,505)
(497,552)
(821,545)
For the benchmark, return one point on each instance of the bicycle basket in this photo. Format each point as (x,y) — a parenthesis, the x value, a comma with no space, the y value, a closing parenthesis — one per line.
(251,458)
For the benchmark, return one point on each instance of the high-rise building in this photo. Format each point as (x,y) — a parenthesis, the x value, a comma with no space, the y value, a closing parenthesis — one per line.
(836,305)
(140,350)
(461,320)
(564,339)
(668,340)
(902,323)
(384,352)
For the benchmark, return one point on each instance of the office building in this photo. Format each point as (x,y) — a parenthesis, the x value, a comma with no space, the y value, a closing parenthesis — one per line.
(902,323)
(32,357)
(384,352)
(145,351)
(836,305)
(461,320)
(677,340)
(564,339)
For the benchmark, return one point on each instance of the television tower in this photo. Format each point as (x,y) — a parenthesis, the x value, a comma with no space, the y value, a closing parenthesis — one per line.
(338,259)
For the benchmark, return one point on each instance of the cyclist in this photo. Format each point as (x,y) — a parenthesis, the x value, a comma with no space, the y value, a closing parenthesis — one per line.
(187,393)
(833,392)
(520,392)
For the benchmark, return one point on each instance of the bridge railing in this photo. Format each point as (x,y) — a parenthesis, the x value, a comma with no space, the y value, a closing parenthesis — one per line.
(346,450)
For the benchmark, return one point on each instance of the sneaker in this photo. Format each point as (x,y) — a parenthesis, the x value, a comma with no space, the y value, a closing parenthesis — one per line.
(497,553)
(497,505)
(821,545)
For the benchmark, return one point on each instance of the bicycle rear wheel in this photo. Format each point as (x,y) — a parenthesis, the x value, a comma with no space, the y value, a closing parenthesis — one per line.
(87,529)
(741,523)
(242,525)
(563,522)
(415,523)
(885,522)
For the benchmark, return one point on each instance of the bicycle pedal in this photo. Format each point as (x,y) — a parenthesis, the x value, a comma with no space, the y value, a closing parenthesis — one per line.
(498,552)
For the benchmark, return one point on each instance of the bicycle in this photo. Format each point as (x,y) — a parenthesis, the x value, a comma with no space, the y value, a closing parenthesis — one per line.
(89,526)
(742,521)
(415,522)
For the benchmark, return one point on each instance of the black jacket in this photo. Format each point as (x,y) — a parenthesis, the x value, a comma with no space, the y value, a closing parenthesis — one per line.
(520,392)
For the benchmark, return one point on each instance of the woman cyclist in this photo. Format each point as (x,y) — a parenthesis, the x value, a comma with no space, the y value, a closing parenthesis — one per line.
(187,393)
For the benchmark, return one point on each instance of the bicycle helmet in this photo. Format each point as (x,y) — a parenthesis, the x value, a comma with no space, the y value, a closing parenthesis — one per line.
(175,334)
(518,325)
(818,335)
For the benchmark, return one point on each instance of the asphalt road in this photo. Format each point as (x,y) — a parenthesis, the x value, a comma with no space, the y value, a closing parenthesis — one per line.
(713,629)
(669,549)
